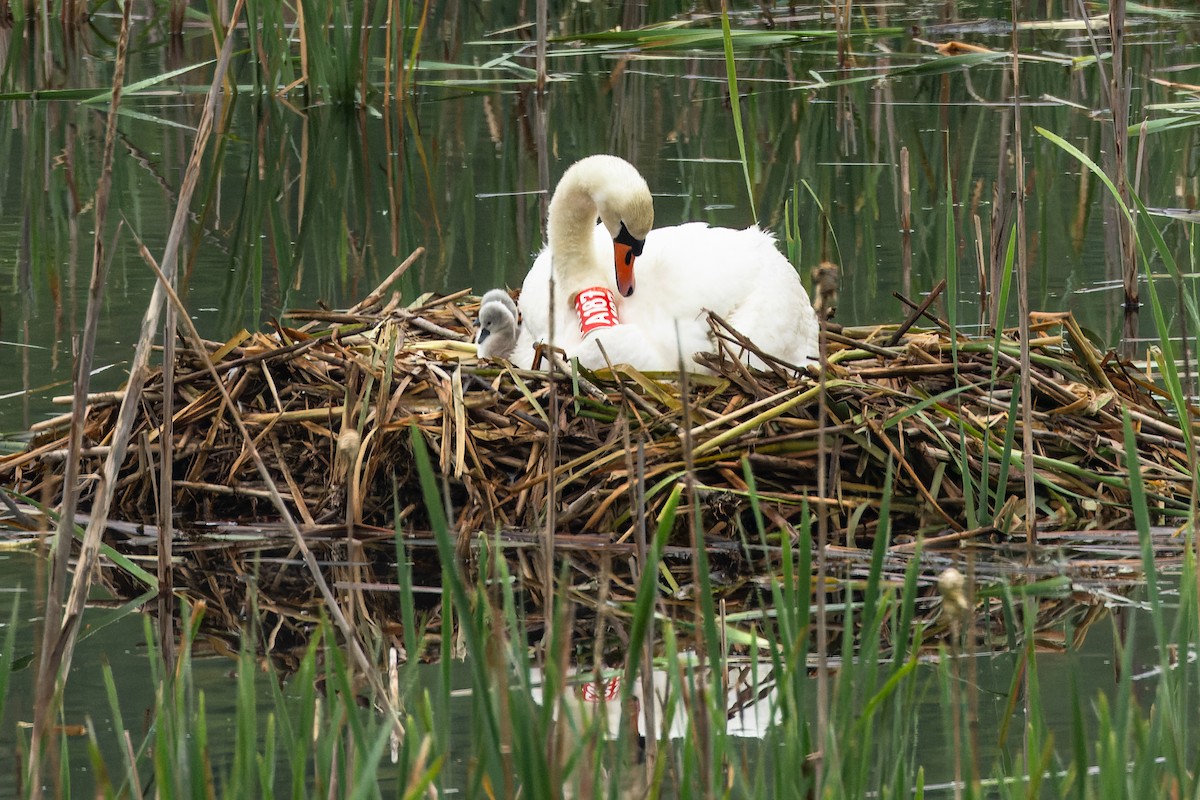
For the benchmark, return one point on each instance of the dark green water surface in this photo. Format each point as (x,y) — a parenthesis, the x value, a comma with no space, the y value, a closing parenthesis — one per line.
(302,200)
(301,203)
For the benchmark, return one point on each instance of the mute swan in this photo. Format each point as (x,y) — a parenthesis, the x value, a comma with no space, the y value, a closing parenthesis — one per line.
(497,336)
(682,273)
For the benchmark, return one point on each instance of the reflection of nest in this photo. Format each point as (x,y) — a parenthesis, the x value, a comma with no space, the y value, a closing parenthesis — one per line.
(1089,574)
(332,405)
(1076,581)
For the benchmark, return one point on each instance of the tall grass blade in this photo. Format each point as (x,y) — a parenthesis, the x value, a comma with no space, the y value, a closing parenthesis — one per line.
(735,106)
(469,623)
(7,649)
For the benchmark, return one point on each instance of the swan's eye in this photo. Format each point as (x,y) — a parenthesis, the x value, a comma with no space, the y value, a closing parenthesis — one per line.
(634,244)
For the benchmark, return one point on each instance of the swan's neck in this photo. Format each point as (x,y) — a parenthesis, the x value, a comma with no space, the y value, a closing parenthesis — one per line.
(570,235)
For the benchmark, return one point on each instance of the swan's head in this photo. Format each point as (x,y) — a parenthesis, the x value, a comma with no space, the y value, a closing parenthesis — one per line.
(627,212)
(497,334)
(622,201)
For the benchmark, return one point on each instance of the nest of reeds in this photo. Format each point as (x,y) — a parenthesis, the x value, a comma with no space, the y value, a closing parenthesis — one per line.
(914,419)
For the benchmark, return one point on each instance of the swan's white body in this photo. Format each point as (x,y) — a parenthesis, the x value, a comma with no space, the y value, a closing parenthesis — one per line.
(682,273)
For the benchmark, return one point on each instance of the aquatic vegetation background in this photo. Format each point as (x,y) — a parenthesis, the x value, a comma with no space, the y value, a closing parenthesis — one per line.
(347,146)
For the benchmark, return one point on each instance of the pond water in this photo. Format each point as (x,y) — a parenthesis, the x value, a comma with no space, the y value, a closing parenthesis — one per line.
(299,204)
(121,645)
(304,201)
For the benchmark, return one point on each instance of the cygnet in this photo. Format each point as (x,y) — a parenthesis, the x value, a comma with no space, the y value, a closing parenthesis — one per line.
(498,325)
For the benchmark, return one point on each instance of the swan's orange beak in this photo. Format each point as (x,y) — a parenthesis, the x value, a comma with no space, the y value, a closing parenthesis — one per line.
(624,258)
(626,248)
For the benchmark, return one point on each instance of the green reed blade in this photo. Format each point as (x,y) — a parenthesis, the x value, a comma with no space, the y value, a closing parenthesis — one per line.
(735,106)
(7,649)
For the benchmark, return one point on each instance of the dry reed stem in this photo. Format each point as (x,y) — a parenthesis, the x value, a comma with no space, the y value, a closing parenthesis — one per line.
(1022,262)
(50,678)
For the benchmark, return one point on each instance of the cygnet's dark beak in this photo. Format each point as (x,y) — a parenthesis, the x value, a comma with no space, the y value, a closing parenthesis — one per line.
(483,334)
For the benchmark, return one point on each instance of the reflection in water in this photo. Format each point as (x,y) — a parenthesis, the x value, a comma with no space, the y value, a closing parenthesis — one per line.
(1077,581)
(305,204)
(750,705)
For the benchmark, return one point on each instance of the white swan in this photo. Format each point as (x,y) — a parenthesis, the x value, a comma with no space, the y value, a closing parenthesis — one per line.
(498,325)
(682,273)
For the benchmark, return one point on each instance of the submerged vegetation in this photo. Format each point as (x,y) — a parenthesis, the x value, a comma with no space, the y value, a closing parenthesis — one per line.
(741,587)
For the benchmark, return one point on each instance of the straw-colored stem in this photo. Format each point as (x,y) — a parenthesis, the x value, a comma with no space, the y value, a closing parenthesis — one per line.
(51,673)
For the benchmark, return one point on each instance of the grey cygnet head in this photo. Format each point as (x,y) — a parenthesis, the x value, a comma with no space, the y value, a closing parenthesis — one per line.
(498,326)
